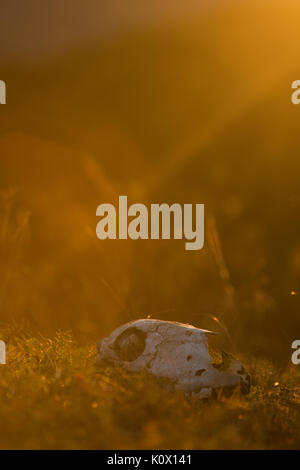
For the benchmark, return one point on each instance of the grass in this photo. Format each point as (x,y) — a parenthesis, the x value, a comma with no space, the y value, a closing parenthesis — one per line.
(53,397)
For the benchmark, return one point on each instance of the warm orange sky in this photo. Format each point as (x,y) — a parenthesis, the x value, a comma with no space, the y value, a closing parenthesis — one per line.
(32,27)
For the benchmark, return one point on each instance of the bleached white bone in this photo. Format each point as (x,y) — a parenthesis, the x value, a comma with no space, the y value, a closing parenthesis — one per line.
(173,351)
(2,352)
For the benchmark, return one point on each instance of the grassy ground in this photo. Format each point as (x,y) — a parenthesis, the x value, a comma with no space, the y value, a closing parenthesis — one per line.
(52,397)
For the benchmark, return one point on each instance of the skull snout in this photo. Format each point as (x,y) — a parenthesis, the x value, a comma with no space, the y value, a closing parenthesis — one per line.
(99,345)
(102,358)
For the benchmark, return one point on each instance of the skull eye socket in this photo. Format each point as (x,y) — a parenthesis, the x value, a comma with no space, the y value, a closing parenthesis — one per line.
(130,344)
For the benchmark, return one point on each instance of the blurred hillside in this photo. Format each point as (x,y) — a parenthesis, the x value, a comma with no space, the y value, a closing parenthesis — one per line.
(194,112)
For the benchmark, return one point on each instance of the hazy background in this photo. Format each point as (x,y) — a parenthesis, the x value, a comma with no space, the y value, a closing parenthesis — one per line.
(165,102)
(31,28)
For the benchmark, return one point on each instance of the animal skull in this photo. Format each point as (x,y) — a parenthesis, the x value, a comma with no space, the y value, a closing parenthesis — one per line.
(174,351)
